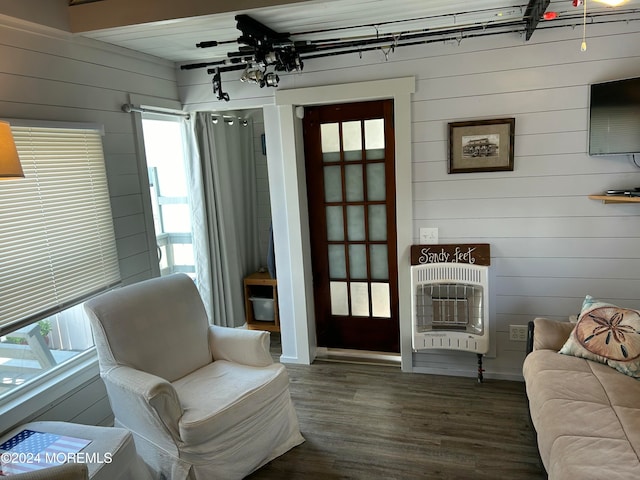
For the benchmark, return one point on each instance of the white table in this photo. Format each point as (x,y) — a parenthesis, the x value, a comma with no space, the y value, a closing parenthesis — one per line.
(112,449)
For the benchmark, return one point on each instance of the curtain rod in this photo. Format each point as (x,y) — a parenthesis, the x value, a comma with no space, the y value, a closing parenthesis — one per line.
(222,115)
(128,108)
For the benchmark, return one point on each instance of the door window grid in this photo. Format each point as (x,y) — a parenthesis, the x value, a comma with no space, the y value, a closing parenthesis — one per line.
(362,214)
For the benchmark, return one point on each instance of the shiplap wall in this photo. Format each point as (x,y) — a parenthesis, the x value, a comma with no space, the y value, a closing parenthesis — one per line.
(87,405)
(48,75)
(550,245)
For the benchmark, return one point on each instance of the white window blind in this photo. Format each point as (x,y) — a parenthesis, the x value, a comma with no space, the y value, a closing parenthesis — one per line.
(57,244)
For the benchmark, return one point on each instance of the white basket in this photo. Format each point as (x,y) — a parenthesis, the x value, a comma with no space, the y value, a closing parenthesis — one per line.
(263,309)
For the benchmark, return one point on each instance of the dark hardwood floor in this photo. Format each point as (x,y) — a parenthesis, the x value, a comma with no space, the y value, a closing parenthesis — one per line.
(375,422)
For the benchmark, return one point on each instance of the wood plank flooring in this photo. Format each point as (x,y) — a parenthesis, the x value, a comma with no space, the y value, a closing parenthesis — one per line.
(375,422)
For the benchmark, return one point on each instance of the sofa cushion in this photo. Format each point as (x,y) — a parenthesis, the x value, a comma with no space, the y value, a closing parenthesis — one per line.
(586,416)
(607,334)
(550,334)
(573,458)
(555,377)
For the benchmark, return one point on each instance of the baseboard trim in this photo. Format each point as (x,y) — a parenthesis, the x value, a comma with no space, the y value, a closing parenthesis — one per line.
(357,356)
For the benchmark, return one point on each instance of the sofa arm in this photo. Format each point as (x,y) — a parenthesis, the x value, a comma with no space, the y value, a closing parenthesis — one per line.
(143,402)
(549,334)
(247,347)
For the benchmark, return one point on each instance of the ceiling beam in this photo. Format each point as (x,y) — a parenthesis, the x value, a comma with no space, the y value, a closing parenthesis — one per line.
(533,14)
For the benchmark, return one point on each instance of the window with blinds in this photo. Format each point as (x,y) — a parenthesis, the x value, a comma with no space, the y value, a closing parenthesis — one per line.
(57,244)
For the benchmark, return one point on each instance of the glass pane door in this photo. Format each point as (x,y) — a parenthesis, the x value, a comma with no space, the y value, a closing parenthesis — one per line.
(350,167)
(356,212)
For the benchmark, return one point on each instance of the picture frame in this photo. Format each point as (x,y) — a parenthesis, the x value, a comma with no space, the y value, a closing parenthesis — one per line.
(481,145)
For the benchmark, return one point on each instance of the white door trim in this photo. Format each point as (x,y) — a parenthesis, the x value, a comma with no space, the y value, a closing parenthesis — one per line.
(287,185)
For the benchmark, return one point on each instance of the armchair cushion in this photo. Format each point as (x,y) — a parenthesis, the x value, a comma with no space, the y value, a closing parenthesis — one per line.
(224,394)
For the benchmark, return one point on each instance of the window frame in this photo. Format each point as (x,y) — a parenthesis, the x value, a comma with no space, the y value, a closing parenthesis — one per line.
(48,389)
(164,238)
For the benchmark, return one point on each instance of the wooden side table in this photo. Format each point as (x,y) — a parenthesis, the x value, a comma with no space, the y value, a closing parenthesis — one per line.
(262,288)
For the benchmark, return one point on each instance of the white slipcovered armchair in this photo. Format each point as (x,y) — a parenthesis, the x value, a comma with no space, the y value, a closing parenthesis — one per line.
(203,402)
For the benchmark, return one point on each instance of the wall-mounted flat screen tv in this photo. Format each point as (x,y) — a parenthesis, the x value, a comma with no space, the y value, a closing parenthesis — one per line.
(614,117)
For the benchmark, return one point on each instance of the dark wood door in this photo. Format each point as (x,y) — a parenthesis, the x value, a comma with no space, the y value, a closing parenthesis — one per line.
(350,165)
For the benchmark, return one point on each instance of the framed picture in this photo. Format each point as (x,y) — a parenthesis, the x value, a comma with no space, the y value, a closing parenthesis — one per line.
(481,146)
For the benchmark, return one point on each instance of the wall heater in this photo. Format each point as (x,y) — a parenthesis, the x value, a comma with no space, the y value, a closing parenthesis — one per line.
(450,308)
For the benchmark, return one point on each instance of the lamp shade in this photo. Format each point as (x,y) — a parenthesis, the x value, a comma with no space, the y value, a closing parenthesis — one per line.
(9,161)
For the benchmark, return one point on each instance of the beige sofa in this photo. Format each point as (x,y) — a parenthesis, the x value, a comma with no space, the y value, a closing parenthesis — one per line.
(586,414)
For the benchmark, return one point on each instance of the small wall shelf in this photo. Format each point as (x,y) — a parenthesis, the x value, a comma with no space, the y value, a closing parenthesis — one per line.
(615,199)
(261,285)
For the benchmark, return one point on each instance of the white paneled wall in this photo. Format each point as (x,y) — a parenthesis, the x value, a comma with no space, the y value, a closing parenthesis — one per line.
(550,244)
(49,75)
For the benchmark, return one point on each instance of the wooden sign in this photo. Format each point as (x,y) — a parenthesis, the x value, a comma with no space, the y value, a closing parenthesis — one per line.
(472,253)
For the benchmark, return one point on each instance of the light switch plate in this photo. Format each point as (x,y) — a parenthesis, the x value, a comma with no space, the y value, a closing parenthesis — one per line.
(428,236)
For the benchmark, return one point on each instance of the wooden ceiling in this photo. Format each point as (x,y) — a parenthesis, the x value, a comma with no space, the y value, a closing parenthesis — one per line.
(172,33)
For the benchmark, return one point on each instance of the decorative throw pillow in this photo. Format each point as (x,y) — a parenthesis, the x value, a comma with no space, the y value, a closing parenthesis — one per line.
(607,334)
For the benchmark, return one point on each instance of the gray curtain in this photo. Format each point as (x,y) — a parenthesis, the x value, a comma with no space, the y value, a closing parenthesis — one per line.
(225,224)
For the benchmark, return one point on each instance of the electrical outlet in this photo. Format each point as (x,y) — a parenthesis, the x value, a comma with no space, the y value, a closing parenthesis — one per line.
(428,236)
(518,333)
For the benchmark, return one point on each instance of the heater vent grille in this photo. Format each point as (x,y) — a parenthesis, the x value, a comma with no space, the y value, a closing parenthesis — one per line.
(449,272)
(450,307)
